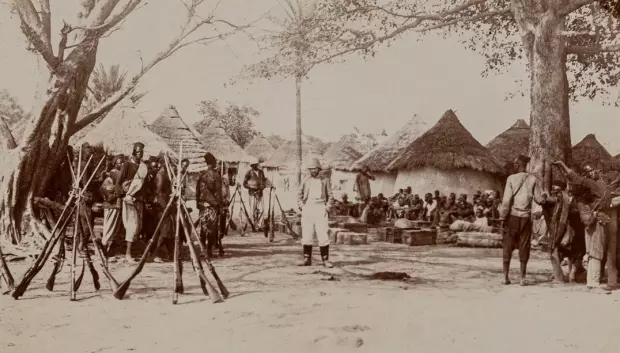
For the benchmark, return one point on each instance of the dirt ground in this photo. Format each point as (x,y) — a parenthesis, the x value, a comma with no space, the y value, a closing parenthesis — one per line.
(454,302)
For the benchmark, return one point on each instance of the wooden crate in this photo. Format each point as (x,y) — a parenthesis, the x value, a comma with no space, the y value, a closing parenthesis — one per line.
(333,234)
(356,227)
(352,238)
(381,234)
(419,237)
(394,235)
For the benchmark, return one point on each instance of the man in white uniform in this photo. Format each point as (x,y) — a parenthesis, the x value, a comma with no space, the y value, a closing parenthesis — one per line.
(315,200)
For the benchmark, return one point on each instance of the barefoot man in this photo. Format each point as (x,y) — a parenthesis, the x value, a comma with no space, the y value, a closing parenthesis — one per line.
(315,200)
(130,181)
(516,216)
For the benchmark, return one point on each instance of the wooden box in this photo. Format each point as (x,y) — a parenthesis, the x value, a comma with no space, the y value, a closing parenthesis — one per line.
(351,238)
(356,227)
(394,235)
(419,237)
(333,234)
(381,234)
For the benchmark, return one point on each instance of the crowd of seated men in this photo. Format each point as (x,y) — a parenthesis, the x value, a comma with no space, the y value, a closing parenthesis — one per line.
(434,208)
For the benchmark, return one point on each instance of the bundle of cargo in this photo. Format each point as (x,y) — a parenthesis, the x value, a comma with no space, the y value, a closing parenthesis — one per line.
(464,226)
(446,236)
(479,239)
(351,238)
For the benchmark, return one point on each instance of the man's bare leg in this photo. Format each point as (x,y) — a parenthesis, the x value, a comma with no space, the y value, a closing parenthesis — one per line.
(128,253)
(506,272)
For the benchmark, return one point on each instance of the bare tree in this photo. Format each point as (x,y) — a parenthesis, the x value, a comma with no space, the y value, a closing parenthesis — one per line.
(27,169)
(570,48)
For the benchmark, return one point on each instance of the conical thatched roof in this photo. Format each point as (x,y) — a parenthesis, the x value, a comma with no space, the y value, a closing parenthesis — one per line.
(285,156)
(173,129)
(591,151)
(223,147)
(123,127)
(260,147)
(447,145)
(381,156)
(341,155)
(508,145)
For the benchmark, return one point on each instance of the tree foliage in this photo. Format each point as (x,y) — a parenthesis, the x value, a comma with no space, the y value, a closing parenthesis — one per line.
(237,121)
(10,108)
(275,140)
(488,27)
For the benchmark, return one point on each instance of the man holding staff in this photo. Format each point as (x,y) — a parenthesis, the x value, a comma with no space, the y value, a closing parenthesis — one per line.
(315,200)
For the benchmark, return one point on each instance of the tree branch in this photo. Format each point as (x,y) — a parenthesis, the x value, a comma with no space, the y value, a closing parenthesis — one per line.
(574,5)
(6,134)
(46,19)
(593,50)
(101,27)
(176,44)
(36,31)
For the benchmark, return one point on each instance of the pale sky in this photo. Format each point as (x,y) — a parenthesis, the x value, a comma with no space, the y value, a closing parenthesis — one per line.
(382,92)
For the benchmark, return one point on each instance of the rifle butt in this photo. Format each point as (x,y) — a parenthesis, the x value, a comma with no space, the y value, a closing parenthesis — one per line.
(52,279)
(120,292)
(213,294)
(220,284)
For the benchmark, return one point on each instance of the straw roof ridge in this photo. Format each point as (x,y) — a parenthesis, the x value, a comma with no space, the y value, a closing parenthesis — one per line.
(379,158)
(341,156)
(590,150)
(223,147)
(260,147)
(447,145)
(121,129)
(511,143)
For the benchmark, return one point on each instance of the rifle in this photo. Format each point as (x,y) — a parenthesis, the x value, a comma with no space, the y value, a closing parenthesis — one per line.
(220,284)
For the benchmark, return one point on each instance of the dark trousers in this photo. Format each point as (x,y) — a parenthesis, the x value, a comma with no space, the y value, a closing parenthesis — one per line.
(578,246)
(518,236)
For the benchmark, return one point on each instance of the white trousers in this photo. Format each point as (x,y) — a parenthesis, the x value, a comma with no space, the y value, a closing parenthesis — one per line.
(314,219)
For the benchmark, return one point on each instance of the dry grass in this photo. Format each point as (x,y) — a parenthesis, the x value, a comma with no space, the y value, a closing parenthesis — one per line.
(508,145)
(173,129)
(381,156)
(260,148)
(447,145)
(223,147)
(590,150)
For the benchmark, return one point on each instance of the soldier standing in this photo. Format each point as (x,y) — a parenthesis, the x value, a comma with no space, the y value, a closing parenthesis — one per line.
(209,202)
(315,200)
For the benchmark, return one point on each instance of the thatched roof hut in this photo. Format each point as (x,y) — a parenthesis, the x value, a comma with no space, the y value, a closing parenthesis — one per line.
(341,156)
(447,158)
(591,151)
(285,156)
(260,147)
(381,156)
(173,129)
(223,147)
(123,127)
(508,145)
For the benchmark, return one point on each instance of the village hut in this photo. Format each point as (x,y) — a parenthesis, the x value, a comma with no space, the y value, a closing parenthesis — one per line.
(174,130)
(260,148)
(449,159)
(591,151)
(379,158)
(123,127)
(508,145)
(339,158)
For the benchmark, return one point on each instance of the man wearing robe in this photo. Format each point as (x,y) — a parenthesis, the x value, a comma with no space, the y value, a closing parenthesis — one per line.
(209,202)
(130,182)
(112,223)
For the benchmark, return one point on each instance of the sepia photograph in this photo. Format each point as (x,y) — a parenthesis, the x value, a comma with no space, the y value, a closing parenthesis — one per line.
(432,176)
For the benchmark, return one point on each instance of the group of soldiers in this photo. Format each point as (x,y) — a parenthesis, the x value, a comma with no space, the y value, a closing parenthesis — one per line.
(578,214)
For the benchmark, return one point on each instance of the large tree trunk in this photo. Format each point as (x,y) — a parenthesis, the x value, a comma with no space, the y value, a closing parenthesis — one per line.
(541,30)
(28,169)
(298,131)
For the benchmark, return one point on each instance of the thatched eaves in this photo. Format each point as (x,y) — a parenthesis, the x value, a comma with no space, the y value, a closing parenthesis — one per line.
(508,145)
(120,129)
(341,155)
(223,147)
(174,130)
(591,151)
(447,146)
(260,147)
(379,158)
